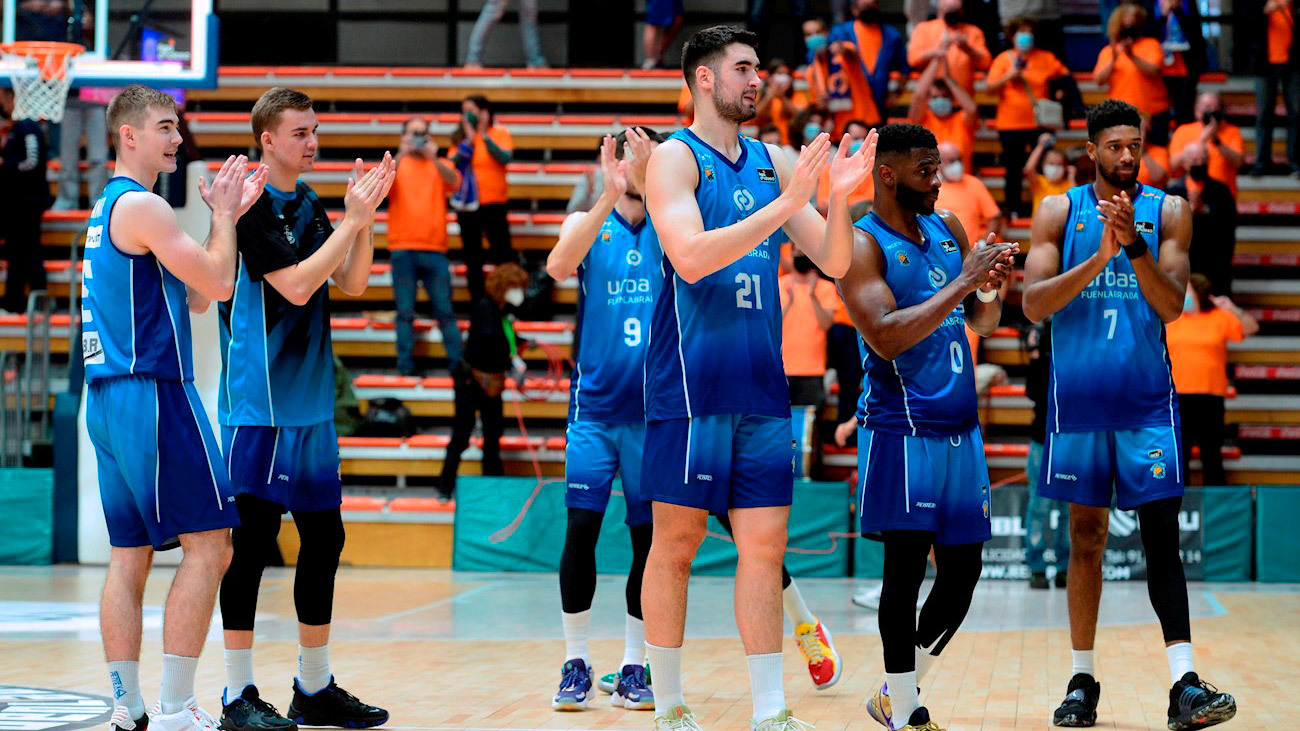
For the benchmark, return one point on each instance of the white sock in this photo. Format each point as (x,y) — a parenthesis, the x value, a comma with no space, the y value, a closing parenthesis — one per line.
(767,684)
(902,696)
(313,668)
(1180,660)
(795,609)
(239,672)
(177,682)
(575,635)
(1081,662)
(666,667)
(924,661)
(124,677)
(633,641)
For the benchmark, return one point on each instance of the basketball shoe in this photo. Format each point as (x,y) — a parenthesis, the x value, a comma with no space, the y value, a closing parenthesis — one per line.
(679,718)
(575,686)
(248,712)
(333,706)
(633,692)
(879,707)
(920,721)
(1194,703)
(783,721)
(818,650)
(121,720)
(189,718)
(1079,709)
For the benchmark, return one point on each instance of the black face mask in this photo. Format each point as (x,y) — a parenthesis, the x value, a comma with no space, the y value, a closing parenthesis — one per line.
(1210,117)
(870,16)
(803,264)
(953,18)
(1130,33)
(1198,172)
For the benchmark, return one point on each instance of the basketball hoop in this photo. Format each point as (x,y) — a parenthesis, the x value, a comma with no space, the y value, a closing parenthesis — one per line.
(41,87)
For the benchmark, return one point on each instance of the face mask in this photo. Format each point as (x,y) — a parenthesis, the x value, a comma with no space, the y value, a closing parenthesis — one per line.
(472,118)
(515,296)
(419,141)
(803,264)
(1130,32)
(941,106)
(816,43)
(954,18)
(854,146)
(1209,118)
(782,80)
(952,171)
(1054,173)
(1198,172)
(1024,41)
(1189,304)
(810,132)
(870,16)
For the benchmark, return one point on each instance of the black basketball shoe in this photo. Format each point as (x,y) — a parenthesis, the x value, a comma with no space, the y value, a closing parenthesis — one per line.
(1079,709)
(248,712)
(333,706)
(1194,703)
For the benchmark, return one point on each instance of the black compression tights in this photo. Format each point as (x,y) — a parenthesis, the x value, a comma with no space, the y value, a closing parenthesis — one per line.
(957,571)
(725,520)
(1166,584)
(578,562)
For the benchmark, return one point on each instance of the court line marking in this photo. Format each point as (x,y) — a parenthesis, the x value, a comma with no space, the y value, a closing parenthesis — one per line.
(439,603)
(1215,605)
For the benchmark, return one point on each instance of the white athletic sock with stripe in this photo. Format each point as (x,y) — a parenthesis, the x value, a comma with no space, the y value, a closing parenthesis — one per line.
(177,682)
(766,683)
(633,641)
(239,672)
(124,676)
(576,625)
(666,667)
(313,668)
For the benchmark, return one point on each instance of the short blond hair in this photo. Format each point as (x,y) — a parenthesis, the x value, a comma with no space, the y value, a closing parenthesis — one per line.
(131,104)
(270,107)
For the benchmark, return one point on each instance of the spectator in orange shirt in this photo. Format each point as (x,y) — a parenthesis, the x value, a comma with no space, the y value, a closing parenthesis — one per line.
(417,239)
(1154,167)
(943,106)
(857,132)
(686,105)
(950,37)
(1130,68)
(837,82)
(1198,350)
(871,50)
(1277,67)
(485,148)
(967,196)
(1019,76)
(1047,170)
(1179,23)
(808,305)
(1222,141)
(770,135)
(778,104)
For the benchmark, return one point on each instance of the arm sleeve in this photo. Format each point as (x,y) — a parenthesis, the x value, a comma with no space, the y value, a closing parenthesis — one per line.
(262,243)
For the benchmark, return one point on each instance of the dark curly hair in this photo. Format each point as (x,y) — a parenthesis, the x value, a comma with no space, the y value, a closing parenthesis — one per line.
(903,138)
(1112,113)
(706,46)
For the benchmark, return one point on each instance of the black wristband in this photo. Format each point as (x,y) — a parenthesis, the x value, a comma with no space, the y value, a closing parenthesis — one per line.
(1137,249)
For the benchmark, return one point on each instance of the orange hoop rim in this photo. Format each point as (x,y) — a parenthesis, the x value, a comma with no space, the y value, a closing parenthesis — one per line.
(52,56)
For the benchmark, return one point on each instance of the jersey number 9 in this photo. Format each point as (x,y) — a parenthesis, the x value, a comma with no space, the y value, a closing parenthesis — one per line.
(632,332)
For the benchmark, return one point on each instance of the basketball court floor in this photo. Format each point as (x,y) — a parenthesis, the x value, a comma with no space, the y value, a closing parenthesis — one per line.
(482,652)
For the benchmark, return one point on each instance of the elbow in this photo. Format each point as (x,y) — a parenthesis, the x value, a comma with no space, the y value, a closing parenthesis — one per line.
(221,292)
(688,274)
(299,296)
(557,272)
(199,306)
(1033,311)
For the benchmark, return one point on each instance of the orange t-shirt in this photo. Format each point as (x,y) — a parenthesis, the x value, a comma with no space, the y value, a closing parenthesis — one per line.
(961,64)
(1040,187)
(841,312)
(973,341)
(1127,84)
(1198,350)
(781,112)
(972,203)
(803,346)
(1015,111)
(864,192)
(954,130)
(490,174)
(417,206)
(1161,156)
(686,105)
(1218,166)
(1281,30)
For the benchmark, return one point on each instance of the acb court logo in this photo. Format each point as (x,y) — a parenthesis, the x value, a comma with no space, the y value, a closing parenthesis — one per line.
(40,709)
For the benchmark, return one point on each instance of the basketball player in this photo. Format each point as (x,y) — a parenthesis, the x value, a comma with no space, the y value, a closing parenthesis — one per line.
(718,432)
(160,473)
(1109,262)
(914,284)
(277,409)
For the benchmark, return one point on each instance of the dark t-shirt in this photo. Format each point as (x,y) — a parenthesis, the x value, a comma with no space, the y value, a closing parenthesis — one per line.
(487,348)
(24,147)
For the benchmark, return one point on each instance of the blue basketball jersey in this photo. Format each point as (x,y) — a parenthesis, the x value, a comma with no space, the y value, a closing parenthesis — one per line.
(618,282)
(715,345)
(134,313)
(929,389)
(1110,366)
(277,359)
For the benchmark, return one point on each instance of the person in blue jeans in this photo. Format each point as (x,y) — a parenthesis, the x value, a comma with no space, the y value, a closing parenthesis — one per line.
(1038,510)
(417,240)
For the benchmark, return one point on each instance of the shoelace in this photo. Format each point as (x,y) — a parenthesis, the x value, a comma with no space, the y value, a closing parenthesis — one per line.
(264,707)
(636,680)
(204,718)
(812,648)
(572,677)
(684,722)
(792,724)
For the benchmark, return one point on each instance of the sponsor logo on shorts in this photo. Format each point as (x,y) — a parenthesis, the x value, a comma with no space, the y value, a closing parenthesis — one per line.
(766,175)
(38,709)
(949,246)
(704,478)
(1158,470)
(986,508)
(282,478)
(1063,476)
(579,486)
(926,505)
(1155,454)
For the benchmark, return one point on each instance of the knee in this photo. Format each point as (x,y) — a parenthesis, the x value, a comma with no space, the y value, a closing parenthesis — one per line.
(678,544)
(212,550)
(764,546)
(324,540)
(1087,539)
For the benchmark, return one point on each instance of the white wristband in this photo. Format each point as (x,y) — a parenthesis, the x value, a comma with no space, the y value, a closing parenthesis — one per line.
(986,296)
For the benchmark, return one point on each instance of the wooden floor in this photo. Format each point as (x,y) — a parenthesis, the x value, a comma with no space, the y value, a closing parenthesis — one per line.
(454,651)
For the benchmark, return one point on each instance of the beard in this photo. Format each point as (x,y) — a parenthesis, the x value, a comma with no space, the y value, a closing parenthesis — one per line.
(914,200)
(739,111)
(1121,180)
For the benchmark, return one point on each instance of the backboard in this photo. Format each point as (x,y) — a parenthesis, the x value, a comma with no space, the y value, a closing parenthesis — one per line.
(162,43)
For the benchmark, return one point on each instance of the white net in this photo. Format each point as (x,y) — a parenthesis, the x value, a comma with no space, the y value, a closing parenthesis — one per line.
(41,86)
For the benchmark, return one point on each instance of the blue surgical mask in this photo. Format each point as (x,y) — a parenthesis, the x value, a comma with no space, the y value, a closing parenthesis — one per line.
(810,132)
(1024,41)
(1189,304)
(816,43)
(854,146)
(941,105)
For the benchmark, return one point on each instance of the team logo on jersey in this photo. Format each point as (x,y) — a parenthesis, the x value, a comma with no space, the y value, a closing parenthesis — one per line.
(1081,221)
(605,235)
(938,277)
(1145,227)
(633,257)
(1158,470)
(1155,454)
(986,508)
(766,175)
(902,258)
(949,246)
(743,199)
(706,164)
(288,235)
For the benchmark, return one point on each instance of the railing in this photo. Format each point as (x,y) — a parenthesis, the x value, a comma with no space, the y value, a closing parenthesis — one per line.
(11,419)
(34,382)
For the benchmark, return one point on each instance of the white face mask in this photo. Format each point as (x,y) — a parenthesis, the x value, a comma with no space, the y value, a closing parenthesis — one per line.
(952,171)
(515,296)
(1054,173)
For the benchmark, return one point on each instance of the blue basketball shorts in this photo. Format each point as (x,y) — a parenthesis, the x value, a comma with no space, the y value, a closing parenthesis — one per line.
(594,453)
(295,467)
(720,462)
(939,485)
(160,472)
(1130,467)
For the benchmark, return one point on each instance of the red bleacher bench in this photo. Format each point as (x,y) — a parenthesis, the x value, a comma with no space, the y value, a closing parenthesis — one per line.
(1267,372)
(1268,432)
(420,505)
(362,504)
